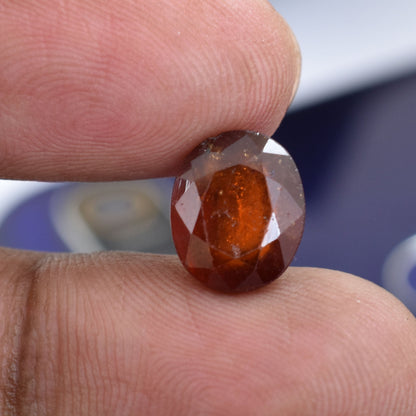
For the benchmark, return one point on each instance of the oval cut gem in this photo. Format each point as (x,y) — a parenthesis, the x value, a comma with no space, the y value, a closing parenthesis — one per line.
(238,211)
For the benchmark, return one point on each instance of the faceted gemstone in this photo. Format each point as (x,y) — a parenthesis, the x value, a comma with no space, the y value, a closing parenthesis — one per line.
(238,211)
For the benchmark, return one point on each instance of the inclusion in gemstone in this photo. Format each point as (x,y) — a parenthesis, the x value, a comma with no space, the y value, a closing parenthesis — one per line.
(237,211)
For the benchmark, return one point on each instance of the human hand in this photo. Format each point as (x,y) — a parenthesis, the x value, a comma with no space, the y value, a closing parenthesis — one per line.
(95,90)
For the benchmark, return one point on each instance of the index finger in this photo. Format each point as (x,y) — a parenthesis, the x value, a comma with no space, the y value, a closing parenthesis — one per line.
(117,90)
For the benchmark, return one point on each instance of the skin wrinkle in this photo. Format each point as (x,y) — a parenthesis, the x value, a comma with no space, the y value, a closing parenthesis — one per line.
(16,385)
(95,337)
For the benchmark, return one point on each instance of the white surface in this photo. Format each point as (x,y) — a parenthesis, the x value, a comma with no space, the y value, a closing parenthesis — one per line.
(396,272)
(349,44)
(14,192)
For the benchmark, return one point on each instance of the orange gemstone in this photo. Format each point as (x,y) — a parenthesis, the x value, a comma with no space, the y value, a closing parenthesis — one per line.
(237,211)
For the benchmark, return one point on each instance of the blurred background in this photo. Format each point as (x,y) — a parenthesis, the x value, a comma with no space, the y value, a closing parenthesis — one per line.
(351,131)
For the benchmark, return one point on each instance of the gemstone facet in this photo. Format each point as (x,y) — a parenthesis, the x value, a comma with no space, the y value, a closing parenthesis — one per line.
(237,211)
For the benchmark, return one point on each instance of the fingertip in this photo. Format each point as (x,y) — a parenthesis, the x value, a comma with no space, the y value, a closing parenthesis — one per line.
(311,341)
(110,93)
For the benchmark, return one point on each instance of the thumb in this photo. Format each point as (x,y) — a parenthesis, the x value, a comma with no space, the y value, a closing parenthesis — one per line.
(127,334)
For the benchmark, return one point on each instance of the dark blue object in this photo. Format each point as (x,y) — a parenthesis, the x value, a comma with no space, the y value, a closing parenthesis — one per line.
(356,156)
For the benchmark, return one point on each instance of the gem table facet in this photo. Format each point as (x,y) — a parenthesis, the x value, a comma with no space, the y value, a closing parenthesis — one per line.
(237,211)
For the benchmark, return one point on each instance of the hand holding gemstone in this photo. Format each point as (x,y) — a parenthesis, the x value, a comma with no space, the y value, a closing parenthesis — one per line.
(112,90)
